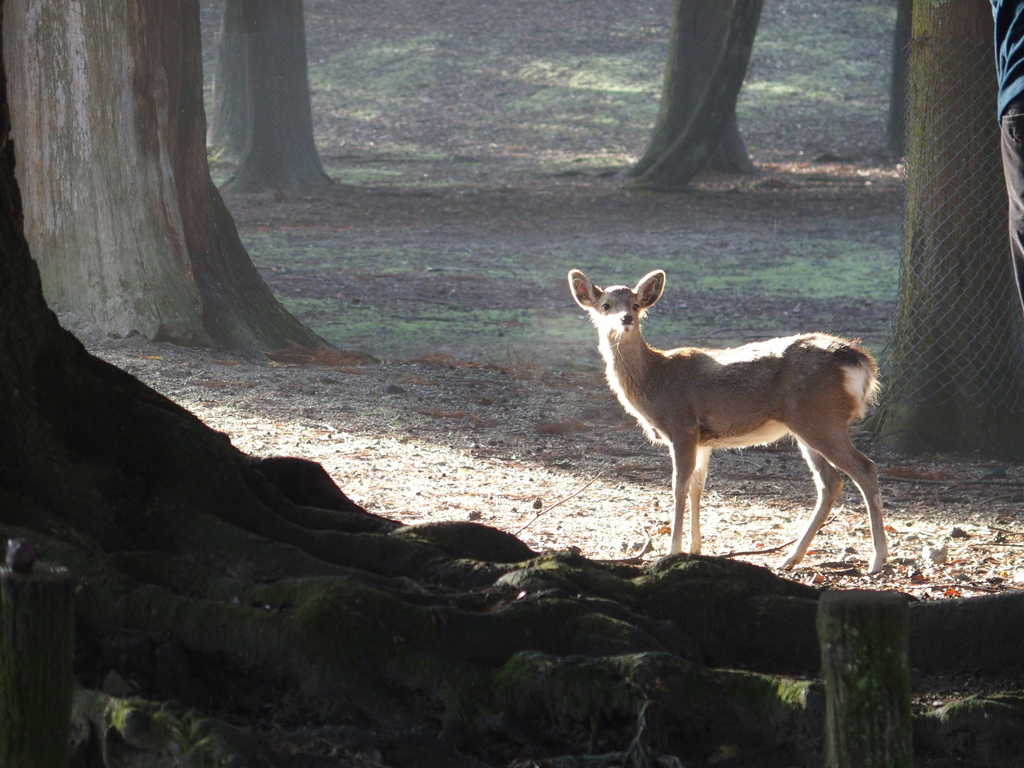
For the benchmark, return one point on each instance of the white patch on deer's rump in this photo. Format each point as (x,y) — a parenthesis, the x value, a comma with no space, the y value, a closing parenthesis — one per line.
(860,383)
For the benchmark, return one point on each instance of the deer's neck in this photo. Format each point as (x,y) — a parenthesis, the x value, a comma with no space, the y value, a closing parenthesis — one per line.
(629,364)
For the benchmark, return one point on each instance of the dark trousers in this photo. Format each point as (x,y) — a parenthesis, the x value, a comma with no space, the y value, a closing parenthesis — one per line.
(1012,125)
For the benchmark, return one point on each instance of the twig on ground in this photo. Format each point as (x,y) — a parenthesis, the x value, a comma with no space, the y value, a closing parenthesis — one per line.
(1007,532)
(562,501)
(760,551)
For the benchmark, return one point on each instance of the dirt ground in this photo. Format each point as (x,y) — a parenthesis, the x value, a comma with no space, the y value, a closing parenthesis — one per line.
(454,423)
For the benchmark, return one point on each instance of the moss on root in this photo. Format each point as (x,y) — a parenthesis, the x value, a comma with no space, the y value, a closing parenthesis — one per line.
(135,732)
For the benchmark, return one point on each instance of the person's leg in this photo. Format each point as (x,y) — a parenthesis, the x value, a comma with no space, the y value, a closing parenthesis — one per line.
(1012,125)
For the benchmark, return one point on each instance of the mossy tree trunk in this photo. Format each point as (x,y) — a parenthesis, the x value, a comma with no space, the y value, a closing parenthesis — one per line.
(709,49)
(955,368)
(279,151)
(865,664)
(37,631)
(124,220)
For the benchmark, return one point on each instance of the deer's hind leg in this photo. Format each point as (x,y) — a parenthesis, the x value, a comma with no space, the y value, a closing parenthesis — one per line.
(838,448)
(829,483)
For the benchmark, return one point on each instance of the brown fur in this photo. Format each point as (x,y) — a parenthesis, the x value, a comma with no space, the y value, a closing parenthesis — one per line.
(812,386)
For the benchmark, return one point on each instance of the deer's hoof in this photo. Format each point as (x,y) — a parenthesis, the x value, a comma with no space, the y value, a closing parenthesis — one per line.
(877,564)
(789,562)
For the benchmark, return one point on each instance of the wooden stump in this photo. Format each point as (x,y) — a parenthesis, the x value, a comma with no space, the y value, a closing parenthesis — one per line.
(36,657)
(865,664)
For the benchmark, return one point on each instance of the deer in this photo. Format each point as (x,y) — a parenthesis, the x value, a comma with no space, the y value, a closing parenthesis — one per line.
(812,386)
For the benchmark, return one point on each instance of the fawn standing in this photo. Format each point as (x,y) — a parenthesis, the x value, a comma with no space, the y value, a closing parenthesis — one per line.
(811,386)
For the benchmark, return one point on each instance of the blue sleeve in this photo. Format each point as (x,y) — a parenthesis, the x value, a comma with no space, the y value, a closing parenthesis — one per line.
(1009,42)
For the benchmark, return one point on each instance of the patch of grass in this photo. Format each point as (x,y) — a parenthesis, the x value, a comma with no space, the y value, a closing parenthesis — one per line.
(372,79)
(818,72)
(744,282)
(816,269)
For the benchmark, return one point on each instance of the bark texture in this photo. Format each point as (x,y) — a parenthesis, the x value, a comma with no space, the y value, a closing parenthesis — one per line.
(123,218)
(866,669)
(37,633)
(709,48)
(955,368)
(100,194)
(279,152)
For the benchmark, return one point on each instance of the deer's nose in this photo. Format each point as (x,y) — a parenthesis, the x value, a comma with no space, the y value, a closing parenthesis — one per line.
(627,319)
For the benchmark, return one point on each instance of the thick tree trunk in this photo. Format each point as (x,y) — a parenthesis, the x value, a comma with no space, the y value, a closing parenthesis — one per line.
(229,118)
(955,369)
(101,205)
(279,153)
(122,216)
(709,48)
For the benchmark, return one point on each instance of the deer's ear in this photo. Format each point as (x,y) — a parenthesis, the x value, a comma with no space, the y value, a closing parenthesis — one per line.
(583,290)
(649,289)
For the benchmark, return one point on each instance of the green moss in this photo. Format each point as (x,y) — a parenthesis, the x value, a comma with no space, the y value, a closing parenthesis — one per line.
(538,686)
(155,733)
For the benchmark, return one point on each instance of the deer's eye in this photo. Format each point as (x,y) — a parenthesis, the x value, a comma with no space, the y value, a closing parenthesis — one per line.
(606,307)
(636,307)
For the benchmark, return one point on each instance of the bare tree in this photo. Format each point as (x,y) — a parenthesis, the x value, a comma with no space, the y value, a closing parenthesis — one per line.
(709,49)
(279,152)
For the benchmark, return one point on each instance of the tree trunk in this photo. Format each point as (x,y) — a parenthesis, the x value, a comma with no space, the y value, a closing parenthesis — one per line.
(955,369)
(101,207)
(866,668)
(896,127)
(279,153)
(37,631)
(229,118)
(709,48)
(127,227)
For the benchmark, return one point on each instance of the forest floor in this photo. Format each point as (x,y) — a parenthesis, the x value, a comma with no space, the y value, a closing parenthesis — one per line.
(442,253)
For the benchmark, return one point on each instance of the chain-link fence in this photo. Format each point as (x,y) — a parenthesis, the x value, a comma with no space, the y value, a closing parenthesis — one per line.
(956,338)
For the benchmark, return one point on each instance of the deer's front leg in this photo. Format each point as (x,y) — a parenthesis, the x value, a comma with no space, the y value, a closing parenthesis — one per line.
(684,460)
